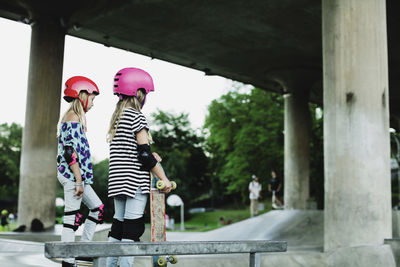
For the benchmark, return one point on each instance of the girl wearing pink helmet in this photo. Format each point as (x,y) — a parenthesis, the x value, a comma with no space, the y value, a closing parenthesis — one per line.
(74,164)
(131,159)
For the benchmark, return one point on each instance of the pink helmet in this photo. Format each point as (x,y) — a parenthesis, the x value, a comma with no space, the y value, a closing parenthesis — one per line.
(129,80)
(76,84)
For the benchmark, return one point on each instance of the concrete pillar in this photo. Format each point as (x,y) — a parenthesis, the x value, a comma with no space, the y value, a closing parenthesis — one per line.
(37,187)
(296,84)
(356,124)
(296,160)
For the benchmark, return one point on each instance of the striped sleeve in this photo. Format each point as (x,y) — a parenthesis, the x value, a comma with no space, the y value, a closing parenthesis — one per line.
(139,123)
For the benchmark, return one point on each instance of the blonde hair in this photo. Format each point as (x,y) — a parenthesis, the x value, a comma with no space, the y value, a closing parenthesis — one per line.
(127,101)
(77,108)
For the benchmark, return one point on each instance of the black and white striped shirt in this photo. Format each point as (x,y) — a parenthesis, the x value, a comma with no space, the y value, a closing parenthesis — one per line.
(125,176)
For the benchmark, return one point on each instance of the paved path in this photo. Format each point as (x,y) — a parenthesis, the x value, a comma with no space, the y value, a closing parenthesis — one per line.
(15,253)
(301,229)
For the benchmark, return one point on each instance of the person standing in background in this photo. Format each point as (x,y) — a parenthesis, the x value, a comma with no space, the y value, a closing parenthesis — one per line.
(255,194)
(275,186)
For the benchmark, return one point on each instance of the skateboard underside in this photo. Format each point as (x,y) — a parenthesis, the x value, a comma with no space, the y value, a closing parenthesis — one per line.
(157,217)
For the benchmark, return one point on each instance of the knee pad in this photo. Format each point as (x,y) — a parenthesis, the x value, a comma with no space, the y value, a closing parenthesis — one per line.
(100,214)
(133,229)
(77,220)
(116,229)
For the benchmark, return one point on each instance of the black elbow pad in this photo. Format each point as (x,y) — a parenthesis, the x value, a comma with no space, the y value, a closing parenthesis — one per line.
(146,157)
(69,155)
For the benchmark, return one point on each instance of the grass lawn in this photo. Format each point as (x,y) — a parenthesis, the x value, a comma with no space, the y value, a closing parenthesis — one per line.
(11,226)
(205,221)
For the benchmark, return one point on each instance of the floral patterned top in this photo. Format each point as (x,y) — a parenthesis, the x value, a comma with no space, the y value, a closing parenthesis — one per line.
(72,134)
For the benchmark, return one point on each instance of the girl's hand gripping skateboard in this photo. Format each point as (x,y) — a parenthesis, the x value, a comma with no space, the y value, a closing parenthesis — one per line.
(165,186)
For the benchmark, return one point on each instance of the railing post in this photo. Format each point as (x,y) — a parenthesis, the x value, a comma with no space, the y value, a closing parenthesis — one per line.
(254,259)
(99,262)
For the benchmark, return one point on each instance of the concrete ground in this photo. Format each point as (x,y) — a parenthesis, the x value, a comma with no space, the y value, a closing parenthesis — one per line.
(303,230)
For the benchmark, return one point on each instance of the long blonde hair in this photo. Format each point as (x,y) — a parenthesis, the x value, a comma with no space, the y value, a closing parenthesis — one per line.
(127,101)
(77,108)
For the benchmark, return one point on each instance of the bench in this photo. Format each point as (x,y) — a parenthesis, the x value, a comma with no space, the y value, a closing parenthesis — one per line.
(100,250)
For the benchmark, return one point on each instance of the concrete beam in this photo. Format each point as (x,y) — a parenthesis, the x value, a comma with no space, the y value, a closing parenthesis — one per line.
(297,147)
(356,124)
(37,186)
(296,85)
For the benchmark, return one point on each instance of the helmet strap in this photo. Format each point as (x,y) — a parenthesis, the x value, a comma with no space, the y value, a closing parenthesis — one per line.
(84,105)
(144,100)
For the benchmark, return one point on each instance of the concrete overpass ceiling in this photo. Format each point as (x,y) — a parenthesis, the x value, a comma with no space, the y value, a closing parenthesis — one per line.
(247,41)
(241,40)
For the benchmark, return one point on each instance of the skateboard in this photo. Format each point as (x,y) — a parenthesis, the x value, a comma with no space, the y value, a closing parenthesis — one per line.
(157,218)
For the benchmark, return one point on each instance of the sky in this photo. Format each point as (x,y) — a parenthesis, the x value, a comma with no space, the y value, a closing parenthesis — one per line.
(177,89)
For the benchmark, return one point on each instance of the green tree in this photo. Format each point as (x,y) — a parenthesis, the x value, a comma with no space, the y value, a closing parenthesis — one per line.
(183,158)
(245,137)
(10,153)
(317,156)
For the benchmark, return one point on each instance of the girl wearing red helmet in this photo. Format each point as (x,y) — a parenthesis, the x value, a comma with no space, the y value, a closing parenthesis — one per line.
(74,164)
(131,159)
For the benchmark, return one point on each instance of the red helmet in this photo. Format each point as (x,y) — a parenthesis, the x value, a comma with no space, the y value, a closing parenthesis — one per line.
(76,84)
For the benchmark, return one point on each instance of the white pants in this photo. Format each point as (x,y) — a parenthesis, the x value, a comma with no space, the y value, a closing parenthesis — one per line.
(72,203)
(253,207)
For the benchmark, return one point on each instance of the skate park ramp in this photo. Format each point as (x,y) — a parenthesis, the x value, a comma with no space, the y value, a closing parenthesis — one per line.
(54,234)
(302,229)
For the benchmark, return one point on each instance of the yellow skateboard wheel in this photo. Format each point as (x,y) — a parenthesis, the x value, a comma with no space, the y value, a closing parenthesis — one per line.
(161,261)
(160,185)
(174,259)
(173,185)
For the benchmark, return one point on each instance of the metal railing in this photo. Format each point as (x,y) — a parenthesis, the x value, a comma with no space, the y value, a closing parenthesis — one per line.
(100,250)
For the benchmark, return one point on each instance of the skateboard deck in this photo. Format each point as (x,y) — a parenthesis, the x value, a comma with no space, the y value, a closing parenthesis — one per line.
(157,218)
